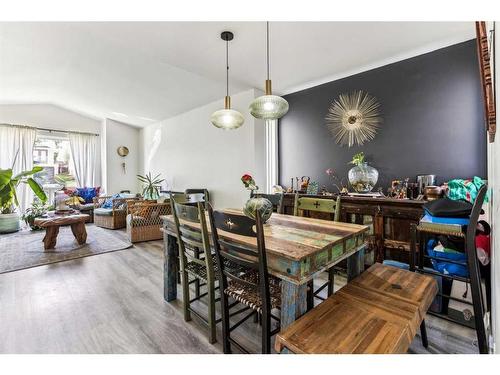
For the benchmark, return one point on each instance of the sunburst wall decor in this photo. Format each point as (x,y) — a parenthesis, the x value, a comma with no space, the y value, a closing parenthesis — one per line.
(353,118)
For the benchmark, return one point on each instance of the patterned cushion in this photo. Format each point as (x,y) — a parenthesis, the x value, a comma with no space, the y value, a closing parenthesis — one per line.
(250,296)
(88,193)
(109,202)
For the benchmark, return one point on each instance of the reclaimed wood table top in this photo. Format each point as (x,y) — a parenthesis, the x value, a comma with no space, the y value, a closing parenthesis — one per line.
(378,312)
(58,220)
(296,246)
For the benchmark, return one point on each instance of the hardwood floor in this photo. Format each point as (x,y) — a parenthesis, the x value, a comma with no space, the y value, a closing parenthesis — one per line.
(113,303)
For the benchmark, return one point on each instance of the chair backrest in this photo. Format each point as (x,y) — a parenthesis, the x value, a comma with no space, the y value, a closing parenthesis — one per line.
(179,198)
(234,258)
(275,199)
(198,194)
(310,204)
(192,234)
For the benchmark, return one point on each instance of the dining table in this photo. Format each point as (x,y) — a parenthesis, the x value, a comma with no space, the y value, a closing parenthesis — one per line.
(298,249)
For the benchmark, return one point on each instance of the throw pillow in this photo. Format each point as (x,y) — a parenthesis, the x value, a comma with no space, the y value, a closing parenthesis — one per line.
(88,193)
(108,203)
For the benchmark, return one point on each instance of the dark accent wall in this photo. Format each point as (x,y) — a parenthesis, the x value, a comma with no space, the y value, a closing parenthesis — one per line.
(433,121)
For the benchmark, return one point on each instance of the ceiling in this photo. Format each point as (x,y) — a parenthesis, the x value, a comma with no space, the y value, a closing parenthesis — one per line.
(143,72)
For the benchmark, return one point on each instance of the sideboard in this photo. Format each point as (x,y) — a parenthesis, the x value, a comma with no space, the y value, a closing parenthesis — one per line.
(389,220)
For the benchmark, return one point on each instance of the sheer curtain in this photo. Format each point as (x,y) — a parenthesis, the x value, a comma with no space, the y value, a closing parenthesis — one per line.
(18,140)
(84,153)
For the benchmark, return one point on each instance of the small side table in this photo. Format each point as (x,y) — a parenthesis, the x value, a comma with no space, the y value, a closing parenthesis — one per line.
(52,224)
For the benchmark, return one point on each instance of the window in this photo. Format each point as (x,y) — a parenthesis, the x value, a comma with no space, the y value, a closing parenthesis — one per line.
(271,154)
(53,153)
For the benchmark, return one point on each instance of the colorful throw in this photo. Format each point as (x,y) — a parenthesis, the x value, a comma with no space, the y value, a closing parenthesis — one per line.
(466,190)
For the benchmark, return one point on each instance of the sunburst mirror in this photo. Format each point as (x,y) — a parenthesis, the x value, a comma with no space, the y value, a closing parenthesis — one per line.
(354,118)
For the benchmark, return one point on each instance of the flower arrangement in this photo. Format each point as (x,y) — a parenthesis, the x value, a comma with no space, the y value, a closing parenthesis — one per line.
(338,183)
(249,182)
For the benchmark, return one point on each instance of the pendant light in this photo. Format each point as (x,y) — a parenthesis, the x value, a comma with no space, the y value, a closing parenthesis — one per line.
(269,106)
(227,118)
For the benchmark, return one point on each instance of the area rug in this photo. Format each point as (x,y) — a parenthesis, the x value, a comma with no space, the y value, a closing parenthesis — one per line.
(24,249)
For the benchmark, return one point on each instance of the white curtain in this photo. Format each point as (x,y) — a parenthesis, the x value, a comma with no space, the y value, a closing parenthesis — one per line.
(84,152)
(18,140)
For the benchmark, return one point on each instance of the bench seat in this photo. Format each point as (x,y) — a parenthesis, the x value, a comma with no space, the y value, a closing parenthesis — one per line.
(379,312)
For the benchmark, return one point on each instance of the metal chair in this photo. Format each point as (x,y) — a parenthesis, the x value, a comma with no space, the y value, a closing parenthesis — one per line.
(243,276)
(468,234)
(196,260)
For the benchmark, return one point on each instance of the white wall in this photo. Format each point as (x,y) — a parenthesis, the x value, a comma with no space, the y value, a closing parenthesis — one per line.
(118,134)
(190,152)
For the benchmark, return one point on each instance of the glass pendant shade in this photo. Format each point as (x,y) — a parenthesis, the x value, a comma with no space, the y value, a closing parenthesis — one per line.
(269,107)
(227,119)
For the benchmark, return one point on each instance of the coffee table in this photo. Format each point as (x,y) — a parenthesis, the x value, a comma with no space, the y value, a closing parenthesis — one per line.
(52,224)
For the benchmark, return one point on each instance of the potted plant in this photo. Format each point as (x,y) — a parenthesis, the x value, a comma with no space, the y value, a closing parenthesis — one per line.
(151,186)
(9,218)
(37,209)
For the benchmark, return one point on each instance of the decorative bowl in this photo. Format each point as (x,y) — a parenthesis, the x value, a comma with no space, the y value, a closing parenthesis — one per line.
(263,205)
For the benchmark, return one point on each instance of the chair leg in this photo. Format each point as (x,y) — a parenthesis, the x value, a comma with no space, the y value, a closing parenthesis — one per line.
(256,317)
(266,333)
(331,281)
(226,345)
(212,337)
(185,295)
(423,334)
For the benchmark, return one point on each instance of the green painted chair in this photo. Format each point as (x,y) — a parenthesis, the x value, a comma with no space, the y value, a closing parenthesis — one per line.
(331,206)
(275,199)
(196,261)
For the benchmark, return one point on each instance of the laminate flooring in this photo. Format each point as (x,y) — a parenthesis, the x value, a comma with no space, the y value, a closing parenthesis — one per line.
(113,303)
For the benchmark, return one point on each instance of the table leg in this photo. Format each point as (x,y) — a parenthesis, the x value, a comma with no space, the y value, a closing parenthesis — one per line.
(293,302)
(356,264)
(50,239)
(79,232)
(170,268)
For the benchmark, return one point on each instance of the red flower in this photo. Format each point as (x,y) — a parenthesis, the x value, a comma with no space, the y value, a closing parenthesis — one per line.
(246,177)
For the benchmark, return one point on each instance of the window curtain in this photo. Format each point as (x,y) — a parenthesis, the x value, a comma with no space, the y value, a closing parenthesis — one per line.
(84,153)
(16,152)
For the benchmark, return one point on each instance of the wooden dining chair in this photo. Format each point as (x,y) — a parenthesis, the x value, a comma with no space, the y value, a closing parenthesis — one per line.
(197,261)
(243,275)
(275,199)
(328,206)
(198,195)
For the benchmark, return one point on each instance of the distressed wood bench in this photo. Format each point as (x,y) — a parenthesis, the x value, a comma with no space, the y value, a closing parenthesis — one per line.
(379,312)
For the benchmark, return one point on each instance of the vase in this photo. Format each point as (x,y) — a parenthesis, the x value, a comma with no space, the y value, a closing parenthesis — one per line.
(363,178)
(9,223)
(263,205)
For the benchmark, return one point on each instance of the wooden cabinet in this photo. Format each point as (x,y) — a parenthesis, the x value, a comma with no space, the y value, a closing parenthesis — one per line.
(389,221)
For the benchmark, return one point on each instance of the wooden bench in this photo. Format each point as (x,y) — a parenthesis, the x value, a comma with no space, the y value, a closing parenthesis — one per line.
(378,312)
